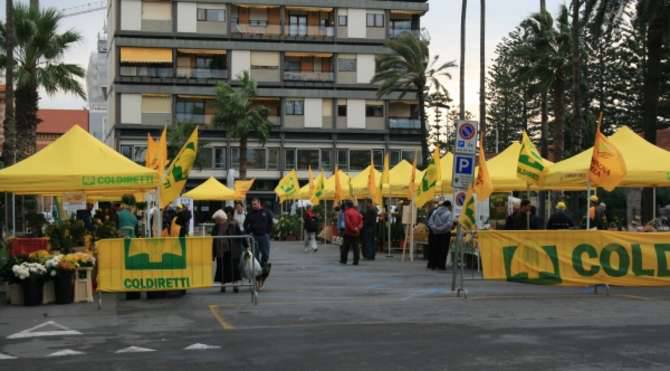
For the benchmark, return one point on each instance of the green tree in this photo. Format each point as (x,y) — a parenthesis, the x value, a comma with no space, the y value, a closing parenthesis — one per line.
(39,52)
(9,40)
(410,68)
(242,119)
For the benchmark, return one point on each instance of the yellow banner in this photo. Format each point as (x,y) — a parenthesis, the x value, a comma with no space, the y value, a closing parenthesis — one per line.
(154,264)
(576,258)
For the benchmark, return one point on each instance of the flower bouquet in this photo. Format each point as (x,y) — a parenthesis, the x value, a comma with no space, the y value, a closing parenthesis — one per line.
(62,269)
(31,275)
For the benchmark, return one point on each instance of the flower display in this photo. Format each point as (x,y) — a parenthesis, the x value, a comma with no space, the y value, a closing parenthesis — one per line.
(69,262)
(39,256)
(25,270)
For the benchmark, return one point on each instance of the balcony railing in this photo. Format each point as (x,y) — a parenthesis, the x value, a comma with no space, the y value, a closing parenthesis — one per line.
(194,118)
(404,123)
(395,32)
(201,73)
(257,29)
(295,30)
(139,71)
(309,76)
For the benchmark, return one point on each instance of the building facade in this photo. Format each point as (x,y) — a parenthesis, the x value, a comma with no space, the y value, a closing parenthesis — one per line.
(96,88)
(313,61)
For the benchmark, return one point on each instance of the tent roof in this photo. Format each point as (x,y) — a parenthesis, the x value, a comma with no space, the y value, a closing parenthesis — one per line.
(646,164)
(212,190)
(76,162)
(399,180)
(359,183)
(329,187)
(502,170)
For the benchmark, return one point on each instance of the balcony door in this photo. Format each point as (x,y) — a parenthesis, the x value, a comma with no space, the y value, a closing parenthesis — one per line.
(297,25)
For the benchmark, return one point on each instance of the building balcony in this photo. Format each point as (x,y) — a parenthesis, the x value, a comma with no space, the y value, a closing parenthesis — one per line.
(302,31)
(257,29)
(146,71)
(194,118)
(202,73)
(404,123)
(396,32)
(309,76)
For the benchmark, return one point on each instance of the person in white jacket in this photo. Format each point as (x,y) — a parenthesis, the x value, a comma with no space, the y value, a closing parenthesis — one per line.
(240,215)
(440,222)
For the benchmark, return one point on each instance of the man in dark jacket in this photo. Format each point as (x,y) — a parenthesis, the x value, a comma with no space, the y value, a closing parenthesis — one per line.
(369,231)
(440,222)
(259,224)
(560,219)
(353,224)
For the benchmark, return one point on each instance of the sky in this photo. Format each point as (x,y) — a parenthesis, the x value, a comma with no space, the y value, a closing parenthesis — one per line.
(442,23)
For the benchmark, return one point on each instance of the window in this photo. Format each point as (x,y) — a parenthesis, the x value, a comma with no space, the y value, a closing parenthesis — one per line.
(295,107)
(374,110)
(307,158)
(342,20)
(394,157)
(359,159)
(190,111)
(341,110)
(292,64)
(273,158)
(378,156)
(408,155)
(289,159)
(375,20)
(205,157)
(346,65)
(255,158)
(343,159)
(326,159)
(297,25)
(211,15)
(220,158)
(219,62)
(258,23)
(126,150)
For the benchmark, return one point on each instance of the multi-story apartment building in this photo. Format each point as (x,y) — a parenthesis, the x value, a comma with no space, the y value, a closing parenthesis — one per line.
(313,61)
(96,88)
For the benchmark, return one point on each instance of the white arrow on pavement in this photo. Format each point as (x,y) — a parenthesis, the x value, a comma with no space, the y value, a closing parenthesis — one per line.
(4,357)
(200,346)
(55,329)
(134,349)
(66,352)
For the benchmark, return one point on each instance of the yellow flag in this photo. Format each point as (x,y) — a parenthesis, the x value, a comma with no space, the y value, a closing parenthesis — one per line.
(338,187)
(483,185)
(151,155)
(175,177)
(319,186)
(162,152)
(386,174)
(373,188)
(242,187)
(607,165)
(431,180)
(467,219)
(288,186)
(531,165)
(411,187)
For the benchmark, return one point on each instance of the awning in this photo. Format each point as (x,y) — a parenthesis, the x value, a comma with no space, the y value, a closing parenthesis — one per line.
(146,55)
(202,51)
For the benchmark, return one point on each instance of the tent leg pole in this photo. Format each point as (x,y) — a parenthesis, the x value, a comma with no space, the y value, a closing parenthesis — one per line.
(388,226)
(527,213)
(588,199)
(654,203)
(14,214)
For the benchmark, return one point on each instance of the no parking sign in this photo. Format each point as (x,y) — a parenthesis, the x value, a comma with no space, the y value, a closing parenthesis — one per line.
(466,137)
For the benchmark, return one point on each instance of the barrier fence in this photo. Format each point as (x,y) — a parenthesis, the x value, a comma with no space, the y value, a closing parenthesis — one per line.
(170,263)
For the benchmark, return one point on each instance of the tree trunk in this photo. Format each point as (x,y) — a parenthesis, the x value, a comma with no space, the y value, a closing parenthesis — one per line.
(424,134)
(9,146)
(35,4)
(558,137)
(543,5)
(26,121)
(652,80)
(461,92)
(482,72)
(243,158)
(544,122)
(577,76)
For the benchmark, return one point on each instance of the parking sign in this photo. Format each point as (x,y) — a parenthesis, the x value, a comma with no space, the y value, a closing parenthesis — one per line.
(466,137)
(463,171)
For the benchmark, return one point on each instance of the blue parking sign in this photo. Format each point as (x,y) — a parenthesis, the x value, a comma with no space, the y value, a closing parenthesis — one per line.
(464,164)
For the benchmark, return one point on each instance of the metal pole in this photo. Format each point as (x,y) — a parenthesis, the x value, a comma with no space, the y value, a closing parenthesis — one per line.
(14,214)
(654,202)
(527,214)
(455,254)
(588,200)
(388,225)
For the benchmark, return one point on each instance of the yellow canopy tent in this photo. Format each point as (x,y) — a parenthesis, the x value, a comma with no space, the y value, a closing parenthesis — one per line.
(359,183)
(212,190)
(399,177)
(329,187)
(446,170)
(502,169)
(77,162)
(646,165)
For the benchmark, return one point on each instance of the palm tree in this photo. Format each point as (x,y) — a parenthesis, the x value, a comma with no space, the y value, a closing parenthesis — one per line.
(39,54)
(548,49)
(482,71)
(240,116)
(461,86)
(9,147)
(409,67)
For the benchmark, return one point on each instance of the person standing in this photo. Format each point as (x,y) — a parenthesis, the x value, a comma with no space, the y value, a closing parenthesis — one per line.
(440,224)
(353,224)
(340,219)
(369,231)
(560,219)
(240,215)
(259,224)
(126,219)
(183,220)
(227,252)
(86,216)
(311,224)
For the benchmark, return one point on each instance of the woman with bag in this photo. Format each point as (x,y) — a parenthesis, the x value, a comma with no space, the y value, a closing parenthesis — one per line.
(227,252)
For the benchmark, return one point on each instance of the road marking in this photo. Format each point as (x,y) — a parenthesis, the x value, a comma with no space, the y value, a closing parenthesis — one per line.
(31,333)
(634,297)
(134,349)
(66,352)
(4,357)
(200,346)
(219,318)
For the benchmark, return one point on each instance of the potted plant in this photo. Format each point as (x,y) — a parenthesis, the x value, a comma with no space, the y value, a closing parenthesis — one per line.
(62,269)
(31,276)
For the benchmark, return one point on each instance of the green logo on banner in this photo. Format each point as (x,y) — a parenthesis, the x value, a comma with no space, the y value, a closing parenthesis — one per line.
(544,278)
(155,254)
